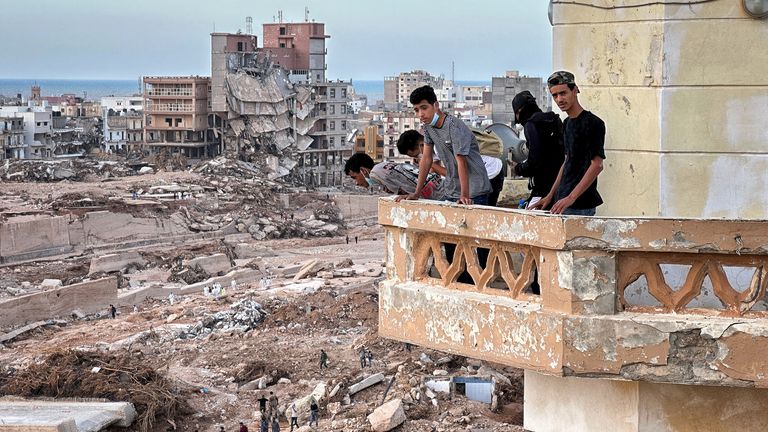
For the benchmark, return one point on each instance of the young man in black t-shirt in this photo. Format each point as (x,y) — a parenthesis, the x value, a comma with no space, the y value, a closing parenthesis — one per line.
(575,189)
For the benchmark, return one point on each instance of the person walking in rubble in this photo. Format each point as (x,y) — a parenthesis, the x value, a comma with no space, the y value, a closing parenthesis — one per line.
(113,311)
(273,404)
(264,425)
(243,427)
(369,357)
(275,423)
(314,412)
(263,404)
(362,357)
(323,359)
(294,415)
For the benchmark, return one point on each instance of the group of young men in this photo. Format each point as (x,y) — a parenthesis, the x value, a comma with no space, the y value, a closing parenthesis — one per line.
(564,157)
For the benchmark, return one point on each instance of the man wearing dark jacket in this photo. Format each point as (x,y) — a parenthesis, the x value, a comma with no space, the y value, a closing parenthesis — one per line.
(544,138)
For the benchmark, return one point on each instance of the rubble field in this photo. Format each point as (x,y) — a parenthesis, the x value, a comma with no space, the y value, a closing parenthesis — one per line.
(197,361)
(208,325)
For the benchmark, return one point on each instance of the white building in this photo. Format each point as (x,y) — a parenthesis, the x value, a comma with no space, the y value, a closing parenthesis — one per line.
(471,96)
(38,122)
(122,103)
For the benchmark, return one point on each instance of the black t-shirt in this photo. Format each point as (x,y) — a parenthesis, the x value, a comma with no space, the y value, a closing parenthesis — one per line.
(583,138)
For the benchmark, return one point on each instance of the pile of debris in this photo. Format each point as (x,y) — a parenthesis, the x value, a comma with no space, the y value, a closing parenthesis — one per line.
(57,170)
(269,117)
(79,374)
(243,316)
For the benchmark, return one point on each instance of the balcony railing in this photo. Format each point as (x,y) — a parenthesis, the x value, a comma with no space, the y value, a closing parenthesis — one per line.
(170,108)
(661,300)
(169,92)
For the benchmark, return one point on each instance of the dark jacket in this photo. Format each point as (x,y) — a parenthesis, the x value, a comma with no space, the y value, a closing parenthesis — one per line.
(544,138)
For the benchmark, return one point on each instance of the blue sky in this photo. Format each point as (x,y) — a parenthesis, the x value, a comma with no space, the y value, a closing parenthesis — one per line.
(115,39)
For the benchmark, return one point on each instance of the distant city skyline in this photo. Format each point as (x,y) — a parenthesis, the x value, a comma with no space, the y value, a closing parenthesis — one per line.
(92,39)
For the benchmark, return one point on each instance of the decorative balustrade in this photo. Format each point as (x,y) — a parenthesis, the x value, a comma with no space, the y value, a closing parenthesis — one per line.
(584,296)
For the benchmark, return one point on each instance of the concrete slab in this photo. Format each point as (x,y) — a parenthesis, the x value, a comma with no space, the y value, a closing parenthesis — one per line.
(64,416)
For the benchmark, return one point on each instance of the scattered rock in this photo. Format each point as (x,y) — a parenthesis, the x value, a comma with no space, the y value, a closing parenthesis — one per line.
(388,416)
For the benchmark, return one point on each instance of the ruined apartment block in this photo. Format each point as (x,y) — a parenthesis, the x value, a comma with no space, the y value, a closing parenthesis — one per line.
(176,116)
(504,89)
(322,164)
(398,89)
(298,47)
(38,128)
(11,138)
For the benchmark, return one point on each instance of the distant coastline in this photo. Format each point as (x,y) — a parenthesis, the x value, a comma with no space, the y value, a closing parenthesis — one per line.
(96,89)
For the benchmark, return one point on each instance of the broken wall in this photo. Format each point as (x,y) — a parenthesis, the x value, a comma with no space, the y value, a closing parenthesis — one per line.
(87,297)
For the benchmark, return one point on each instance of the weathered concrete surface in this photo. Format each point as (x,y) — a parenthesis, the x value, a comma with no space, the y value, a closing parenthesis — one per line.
(661,348)
(213,265)
(24,240)
(367,382)
(354,207)
(64,416)
(88,297)
(115,262)
(555,404)
(251,250)
(38,237)
(577,233)
(100,228)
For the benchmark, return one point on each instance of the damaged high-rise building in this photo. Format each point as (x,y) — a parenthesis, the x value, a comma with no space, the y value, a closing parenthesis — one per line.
(274,107)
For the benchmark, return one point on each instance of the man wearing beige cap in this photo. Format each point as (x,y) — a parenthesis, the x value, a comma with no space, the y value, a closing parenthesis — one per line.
(575,189)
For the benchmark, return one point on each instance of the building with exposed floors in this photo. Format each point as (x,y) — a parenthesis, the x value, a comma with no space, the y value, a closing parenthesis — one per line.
(11,137)
(176,116)
(504,90)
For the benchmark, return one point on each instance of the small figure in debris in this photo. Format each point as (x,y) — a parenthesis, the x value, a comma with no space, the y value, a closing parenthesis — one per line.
(171,298)
(328,196)
(408,347)
(243,427)
(113,311)
(135,309)
(135,195)
(323,359)
(273,403)
(221,428)
(264,424)
(294,415)
(206,291)
(263,403)
(369,358)
(314,412)
(232,285)
(216,291)
(275,423)
(347,239)
(362,357)
(355,239)
(291,216)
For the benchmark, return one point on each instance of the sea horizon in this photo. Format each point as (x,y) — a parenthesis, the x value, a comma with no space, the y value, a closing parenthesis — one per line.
(97,88)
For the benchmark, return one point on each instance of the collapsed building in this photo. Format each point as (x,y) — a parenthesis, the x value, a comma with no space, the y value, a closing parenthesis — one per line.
(268,117)
(274,106)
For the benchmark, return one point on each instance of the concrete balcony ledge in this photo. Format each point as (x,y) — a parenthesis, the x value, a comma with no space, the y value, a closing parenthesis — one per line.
(651,299)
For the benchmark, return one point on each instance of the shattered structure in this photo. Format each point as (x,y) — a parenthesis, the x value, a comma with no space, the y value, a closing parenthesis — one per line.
(268,117)
(269,110)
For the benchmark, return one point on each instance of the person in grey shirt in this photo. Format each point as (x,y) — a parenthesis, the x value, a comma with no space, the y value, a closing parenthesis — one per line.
(466,180)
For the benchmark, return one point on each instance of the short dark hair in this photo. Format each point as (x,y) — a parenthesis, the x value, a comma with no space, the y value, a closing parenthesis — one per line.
(426,93)
(409,140)
(357,161)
